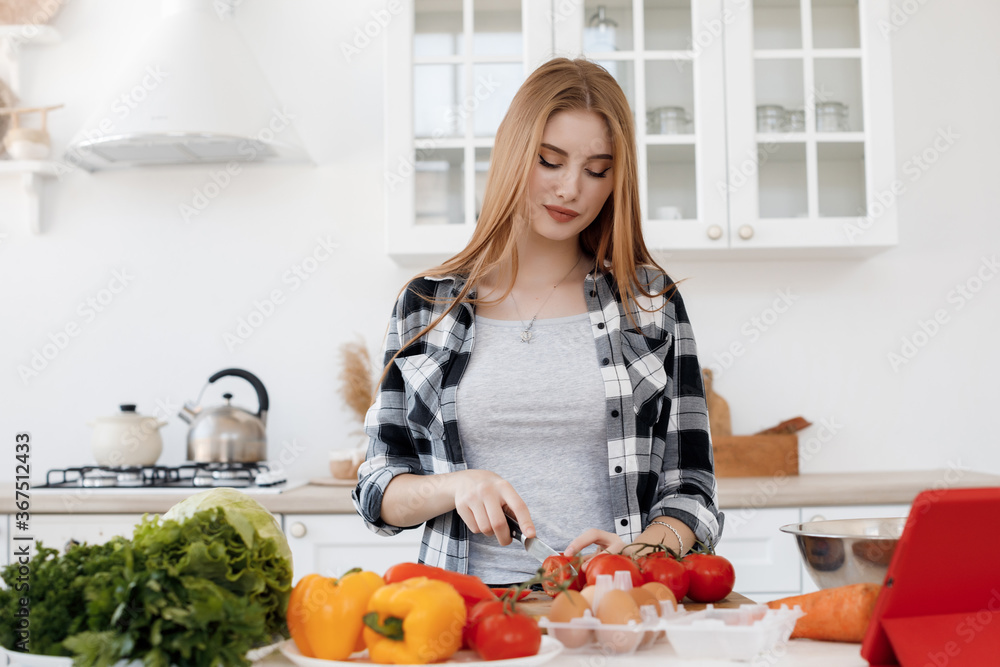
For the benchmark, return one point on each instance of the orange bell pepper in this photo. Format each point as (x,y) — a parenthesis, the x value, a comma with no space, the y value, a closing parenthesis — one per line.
(326,615)
(415,621)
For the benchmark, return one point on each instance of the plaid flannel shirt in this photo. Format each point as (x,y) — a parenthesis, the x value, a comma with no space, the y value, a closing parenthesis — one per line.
(659,448)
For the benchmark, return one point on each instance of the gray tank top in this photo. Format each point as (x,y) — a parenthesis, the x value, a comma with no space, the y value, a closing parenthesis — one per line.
(534,414)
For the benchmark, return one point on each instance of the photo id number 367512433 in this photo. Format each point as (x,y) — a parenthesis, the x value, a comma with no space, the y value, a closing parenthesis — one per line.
(21,540)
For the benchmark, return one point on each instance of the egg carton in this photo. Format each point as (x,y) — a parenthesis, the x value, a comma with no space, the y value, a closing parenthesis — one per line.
(741,634)
(588,634)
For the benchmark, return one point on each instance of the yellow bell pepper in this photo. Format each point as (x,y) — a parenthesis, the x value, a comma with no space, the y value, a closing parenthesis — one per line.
(416,621)
(326,615)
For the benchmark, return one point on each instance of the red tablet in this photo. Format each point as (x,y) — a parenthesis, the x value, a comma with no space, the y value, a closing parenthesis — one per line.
(940,605)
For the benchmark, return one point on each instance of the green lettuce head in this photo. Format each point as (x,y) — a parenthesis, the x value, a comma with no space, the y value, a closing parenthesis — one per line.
(246,515)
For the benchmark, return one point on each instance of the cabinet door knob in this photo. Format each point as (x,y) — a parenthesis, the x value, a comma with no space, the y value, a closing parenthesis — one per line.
(715,232)
(746,232)
(298,529)
(818,517)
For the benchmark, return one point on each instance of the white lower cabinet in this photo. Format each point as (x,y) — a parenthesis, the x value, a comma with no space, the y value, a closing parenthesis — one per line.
(56,531)
(4,532)
(766,568)
(841,512)
(331,544)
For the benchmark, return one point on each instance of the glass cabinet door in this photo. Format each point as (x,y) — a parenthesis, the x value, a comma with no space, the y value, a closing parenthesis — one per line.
(669,62)
(802,162)
(465,60)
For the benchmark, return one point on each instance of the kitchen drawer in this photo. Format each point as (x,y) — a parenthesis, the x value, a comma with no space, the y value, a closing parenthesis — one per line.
(842,512)
(331,544)
(765,563)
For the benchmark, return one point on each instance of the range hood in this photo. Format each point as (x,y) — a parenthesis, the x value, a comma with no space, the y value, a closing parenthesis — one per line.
(193,94)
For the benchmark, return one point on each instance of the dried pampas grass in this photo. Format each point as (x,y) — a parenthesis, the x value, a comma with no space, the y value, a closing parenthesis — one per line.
(7,100)
(357,378)
(28,12)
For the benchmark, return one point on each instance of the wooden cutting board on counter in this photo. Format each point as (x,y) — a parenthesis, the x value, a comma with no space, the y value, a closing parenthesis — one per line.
(538,603)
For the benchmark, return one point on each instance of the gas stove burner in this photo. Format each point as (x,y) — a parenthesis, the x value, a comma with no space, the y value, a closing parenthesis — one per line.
(131,477)
(228,474)
(97,478)
(221,478)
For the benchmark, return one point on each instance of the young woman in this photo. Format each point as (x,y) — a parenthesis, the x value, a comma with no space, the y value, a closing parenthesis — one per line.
(548,370)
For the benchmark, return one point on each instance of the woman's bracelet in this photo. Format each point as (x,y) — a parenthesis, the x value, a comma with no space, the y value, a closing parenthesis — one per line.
(680,542)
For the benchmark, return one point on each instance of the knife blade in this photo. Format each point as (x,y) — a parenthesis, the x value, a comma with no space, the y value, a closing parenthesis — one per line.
(535,547)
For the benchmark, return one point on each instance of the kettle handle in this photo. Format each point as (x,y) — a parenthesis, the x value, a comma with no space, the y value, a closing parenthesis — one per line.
(252,379)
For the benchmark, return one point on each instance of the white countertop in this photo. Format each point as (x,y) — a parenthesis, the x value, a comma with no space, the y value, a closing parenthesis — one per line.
(859,488)
(797,653)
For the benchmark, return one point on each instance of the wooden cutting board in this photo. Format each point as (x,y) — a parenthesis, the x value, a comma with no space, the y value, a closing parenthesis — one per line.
(538,604)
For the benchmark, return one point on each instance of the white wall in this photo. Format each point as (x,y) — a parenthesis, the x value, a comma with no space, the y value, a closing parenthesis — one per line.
(162,336)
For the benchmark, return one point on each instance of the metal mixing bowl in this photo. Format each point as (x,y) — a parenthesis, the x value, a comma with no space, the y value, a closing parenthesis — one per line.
(847,551)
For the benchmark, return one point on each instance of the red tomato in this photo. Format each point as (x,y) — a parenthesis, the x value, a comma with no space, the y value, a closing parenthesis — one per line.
(508,635)
(609,564)
(712,577)
(667,570)
(476,614)
(560,570)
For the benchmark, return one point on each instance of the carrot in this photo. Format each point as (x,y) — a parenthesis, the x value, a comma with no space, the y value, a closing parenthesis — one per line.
(835,614)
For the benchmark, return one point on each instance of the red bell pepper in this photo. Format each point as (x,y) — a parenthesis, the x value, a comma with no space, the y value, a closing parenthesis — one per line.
(470,587)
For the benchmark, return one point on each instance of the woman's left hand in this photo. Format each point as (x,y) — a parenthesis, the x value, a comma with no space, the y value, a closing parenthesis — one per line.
(608,541)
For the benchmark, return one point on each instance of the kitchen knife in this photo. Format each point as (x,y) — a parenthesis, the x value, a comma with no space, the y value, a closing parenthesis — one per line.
(535,547)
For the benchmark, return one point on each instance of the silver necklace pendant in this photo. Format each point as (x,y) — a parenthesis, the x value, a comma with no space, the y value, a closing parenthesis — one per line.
(526,336)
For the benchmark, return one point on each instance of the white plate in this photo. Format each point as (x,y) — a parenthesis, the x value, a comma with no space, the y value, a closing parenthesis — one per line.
(32,660)
(549,649)
(17,659)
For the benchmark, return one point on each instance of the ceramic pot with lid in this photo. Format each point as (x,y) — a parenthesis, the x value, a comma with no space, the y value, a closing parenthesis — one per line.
(226,433)
(126,439)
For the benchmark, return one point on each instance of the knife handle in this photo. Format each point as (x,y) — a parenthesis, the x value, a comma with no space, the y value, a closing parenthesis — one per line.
(515,530)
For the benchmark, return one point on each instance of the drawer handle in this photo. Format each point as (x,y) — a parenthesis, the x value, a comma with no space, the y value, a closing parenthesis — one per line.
(70,543)
(298,529)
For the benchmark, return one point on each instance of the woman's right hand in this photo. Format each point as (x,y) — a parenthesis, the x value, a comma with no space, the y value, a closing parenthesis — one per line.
(480,499)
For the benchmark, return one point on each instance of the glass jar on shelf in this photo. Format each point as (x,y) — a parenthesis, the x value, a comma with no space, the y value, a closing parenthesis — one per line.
(668,120)
(770,118)
(599,36)
(831,117)
(795,120)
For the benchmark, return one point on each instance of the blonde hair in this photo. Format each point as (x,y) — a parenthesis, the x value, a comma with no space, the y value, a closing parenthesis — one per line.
(614,239)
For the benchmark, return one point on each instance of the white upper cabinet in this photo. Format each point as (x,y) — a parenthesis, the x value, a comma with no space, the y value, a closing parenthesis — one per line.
(762,126)
(809,124)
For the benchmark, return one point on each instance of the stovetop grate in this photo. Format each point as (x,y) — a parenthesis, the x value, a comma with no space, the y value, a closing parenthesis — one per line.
(189,475)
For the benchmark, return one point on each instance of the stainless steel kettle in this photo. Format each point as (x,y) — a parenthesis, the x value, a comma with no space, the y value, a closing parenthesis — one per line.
(226,433)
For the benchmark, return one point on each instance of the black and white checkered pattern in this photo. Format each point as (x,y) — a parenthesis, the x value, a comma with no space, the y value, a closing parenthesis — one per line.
(659,449)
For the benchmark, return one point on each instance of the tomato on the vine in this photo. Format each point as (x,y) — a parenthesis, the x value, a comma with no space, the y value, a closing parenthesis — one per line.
(506,635)
(605,563)
(712,577)
(667,570)
(477,613)
(558,571)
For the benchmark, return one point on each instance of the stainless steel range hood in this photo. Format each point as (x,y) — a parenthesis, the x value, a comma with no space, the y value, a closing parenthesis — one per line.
(193,94)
